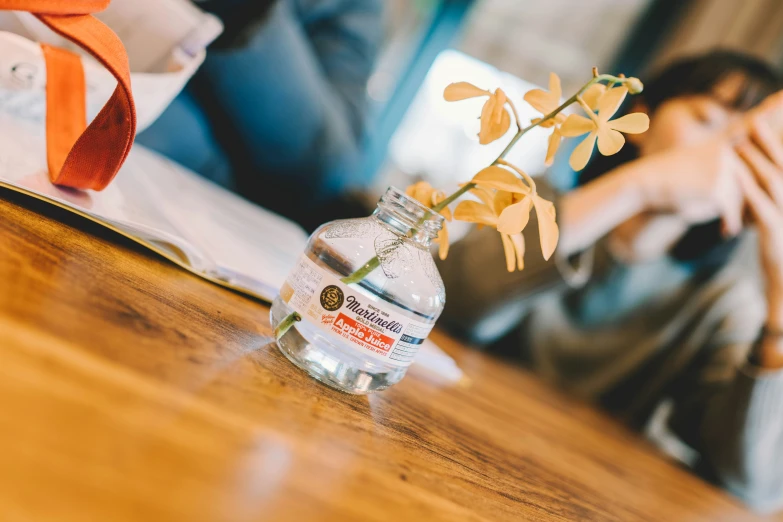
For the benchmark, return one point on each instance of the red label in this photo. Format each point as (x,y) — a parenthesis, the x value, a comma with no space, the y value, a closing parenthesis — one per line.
(361,334)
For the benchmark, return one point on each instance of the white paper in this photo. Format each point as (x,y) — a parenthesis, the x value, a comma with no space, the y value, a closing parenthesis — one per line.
(434,360)
(245,245)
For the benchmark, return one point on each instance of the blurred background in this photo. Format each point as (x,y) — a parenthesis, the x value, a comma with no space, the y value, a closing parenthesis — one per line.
(413,134)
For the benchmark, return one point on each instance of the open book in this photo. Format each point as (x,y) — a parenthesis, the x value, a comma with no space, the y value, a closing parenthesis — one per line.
(189,220)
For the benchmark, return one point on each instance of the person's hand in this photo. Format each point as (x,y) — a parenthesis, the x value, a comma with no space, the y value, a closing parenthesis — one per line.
(762,185)
(696,183)
(676,189)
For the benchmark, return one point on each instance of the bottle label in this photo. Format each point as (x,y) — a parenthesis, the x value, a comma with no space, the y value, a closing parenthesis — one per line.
(372,327)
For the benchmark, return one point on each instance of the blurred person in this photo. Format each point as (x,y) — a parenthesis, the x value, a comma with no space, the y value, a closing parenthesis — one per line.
(277,110)
(660,295)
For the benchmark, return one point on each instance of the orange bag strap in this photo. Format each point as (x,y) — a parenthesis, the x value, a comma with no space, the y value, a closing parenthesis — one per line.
(78,155)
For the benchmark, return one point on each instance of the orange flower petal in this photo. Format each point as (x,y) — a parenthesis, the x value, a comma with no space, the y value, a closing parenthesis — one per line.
(552,146)
(490,129)
(443,242)
(576,125)
(555,92)
(486,120)
(499,178)
(543,101)
(539,100)
(462,91)
(475,212)
(593,94)
(508,249)
(505,123)
(421,192)
(502,200)
(609,141)
(514,218)
(519,248)
(499,107)
(582,152)
(424,194)
(547,225)
(484,195)
(634,123)
(610,101)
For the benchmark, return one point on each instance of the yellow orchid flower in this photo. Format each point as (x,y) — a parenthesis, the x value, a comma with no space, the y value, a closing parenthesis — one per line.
(428,196)
(593,94)
(508,195)
(514,217)
(485,213)
(552,145)
(601,128)
(506,202)
(595,91)
(546,103)
(495,119)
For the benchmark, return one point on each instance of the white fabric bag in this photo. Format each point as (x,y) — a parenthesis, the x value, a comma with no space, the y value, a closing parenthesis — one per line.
(165,41)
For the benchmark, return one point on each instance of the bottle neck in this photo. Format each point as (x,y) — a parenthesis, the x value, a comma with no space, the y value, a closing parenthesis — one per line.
(408,217)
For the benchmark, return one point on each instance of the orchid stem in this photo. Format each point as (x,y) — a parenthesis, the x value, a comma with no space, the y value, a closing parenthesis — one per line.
(516,115)
(286,324)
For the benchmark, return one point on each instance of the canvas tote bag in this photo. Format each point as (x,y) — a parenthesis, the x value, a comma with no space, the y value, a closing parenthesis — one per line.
(61,64)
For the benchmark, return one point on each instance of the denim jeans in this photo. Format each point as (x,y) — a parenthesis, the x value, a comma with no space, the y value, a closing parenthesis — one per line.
(279,116)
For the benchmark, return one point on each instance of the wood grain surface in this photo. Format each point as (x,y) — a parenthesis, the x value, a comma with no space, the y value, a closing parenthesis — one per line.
(132,390)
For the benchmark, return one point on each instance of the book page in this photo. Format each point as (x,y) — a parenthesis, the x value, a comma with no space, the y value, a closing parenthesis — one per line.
(154,200)
(248,245)
(23,164)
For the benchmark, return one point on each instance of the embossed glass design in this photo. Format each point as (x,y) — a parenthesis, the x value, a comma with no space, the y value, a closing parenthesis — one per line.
(361,337)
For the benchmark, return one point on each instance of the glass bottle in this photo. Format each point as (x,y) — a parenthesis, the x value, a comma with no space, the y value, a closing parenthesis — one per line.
(361,335)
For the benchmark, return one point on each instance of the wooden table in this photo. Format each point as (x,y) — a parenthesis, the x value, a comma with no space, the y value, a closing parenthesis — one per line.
(132,390)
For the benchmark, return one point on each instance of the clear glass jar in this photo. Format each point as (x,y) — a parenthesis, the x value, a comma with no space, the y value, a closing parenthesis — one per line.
(360,334)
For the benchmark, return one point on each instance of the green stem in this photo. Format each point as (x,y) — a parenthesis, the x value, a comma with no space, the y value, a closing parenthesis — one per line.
(286,324)
(359,274)
(449,200)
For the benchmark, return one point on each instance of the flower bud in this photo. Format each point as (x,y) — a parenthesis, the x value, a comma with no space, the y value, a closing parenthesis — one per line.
(634,85)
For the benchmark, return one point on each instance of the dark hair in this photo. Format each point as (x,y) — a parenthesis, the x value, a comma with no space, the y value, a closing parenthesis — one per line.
(701,74)
(693,76)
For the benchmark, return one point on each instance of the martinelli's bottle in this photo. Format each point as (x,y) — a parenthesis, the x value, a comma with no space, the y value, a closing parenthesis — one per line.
(363,296)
